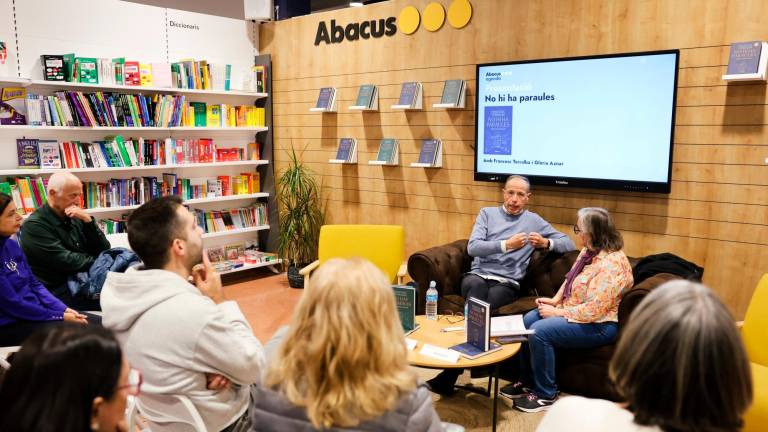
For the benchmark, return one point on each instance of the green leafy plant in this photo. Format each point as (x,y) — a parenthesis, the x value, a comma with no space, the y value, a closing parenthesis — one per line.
(301,212)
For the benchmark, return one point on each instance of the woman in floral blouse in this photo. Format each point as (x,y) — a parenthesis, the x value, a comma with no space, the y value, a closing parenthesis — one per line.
(583,313)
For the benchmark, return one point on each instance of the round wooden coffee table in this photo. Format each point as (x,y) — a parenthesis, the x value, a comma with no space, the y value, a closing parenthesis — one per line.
(430,332)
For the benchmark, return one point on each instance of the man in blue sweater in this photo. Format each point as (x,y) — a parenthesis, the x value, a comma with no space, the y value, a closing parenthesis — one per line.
(502,242)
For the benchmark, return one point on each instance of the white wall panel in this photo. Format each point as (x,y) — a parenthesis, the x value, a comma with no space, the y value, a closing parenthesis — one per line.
(7,36)
(214,39)
(89,28)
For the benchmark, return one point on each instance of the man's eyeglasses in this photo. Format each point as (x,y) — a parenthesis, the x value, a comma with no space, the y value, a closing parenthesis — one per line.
(454,318)
(576,229)
(133,388)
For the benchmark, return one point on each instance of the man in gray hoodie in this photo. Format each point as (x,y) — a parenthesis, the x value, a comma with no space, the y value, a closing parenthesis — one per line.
(185,338)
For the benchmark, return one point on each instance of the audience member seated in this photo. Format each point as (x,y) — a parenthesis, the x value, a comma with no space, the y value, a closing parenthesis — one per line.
(343,364)
(583,313)
(25,304)
(680,365)
(67,378)
(501,244)
(187,339)
(60,239)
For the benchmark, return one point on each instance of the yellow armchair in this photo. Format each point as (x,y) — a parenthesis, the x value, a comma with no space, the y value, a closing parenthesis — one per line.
(383,245)
(755,334)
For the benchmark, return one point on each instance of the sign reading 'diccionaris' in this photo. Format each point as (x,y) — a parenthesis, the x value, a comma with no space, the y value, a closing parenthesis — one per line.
(375,28)
(184,25)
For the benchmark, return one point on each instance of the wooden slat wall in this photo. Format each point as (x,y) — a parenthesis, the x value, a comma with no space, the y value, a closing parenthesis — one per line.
(717,213)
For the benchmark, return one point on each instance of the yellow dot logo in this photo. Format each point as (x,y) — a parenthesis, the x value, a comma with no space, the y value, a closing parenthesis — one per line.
(408,21)
(459,13)
(434,16)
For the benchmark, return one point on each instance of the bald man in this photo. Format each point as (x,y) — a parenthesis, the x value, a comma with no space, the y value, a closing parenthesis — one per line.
(61,239)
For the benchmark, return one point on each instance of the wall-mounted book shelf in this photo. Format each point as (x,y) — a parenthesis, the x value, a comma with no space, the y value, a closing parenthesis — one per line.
(326,101)
(43,171)
(747,61)
(26,82)
(388,154)
(454,95)
(346,153)
(367,99)
(430,154)
(411,97)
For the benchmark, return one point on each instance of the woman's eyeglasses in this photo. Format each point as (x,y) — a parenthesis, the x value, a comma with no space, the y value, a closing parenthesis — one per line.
(134,383)
(576,229)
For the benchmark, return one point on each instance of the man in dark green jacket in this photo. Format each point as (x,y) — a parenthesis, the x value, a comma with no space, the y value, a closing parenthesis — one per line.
(61,239)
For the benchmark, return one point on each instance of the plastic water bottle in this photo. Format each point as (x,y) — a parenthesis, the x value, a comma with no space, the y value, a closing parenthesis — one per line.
(432,301)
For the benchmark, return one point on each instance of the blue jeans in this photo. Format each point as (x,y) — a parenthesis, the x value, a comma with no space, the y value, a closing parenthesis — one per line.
(537,359)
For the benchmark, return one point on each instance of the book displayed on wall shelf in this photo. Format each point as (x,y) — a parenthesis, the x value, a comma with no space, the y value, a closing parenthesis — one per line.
(109,109)
(326,100)
(454,94)
(346,153)
(747,61)
(410,96)
(478,325)
(389,153)
(367,98)
(430,154)
(259,79)
(13,108)
(405,300)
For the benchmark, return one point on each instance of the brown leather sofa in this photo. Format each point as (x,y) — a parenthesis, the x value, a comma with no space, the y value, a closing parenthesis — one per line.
(583,372)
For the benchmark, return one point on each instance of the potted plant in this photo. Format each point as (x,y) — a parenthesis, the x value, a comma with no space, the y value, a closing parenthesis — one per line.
(301,216)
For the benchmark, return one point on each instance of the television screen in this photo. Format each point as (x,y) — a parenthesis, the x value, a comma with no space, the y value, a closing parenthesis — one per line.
(603,122)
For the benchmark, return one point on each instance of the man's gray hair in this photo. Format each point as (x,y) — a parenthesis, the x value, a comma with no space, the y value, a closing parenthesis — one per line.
(519,177)
(59,180)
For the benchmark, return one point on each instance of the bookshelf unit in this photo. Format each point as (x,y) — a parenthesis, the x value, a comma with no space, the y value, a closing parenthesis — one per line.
(226,136)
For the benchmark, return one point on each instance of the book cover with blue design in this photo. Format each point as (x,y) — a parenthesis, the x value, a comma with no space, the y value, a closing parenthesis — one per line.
(452,92)
(405,300)
(428,151)
(744,57)
(386,150)
(324,99)
(497,130)
(478,331)
(365,95)
(345,149)
(408,93)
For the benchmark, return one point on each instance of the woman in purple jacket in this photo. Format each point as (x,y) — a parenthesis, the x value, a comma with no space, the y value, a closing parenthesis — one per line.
(25,304)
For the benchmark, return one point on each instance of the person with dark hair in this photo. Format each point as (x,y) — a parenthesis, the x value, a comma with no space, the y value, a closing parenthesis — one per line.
(25,304)
(185,337)
(502,242)
(680,366)
(69,378)
(61,239)
(583,313)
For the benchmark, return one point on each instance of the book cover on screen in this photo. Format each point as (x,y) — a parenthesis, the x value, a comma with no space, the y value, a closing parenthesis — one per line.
(744,57)
(408,93)
(346,146)
(324,98)
(428,152)
(386,150)
(452,92)
(497,130)
(365,95)
(405,299)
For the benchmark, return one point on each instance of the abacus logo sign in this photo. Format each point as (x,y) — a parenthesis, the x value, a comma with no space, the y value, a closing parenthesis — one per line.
(409,20)
(355,31)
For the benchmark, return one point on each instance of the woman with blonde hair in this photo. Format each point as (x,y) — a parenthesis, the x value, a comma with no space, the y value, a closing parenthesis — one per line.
(343,364)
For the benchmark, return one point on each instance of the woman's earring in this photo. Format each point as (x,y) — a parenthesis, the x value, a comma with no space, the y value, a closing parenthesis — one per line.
(94,426)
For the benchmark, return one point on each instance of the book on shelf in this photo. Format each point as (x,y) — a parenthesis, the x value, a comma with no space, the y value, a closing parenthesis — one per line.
(346,149)
(13,108)
(145,75)
(161,75)
(478,322)
(326,98)
(388,149)
(28,153)
(453,90)
(366,96)
(132,73)
(259,78)
(430,148)
(49,154)
(409,94)
(405,300)
(87,70)
(744,58)
(53,67)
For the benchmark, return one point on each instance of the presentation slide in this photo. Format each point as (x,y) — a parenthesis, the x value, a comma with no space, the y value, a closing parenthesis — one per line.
(600,118)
